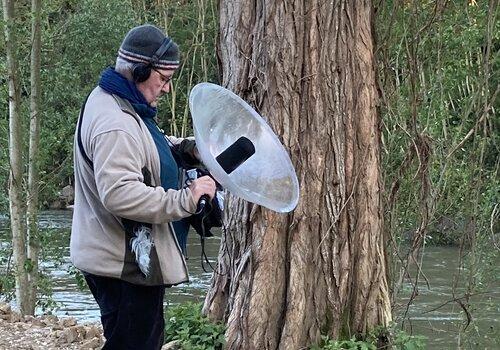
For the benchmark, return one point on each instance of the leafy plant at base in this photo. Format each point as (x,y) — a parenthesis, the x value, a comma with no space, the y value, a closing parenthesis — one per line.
(398,340)
(330,344)
(404,341)
(186,324)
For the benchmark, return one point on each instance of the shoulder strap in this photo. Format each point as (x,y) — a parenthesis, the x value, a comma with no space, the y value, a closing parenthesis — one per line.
(126,107)
(79,136)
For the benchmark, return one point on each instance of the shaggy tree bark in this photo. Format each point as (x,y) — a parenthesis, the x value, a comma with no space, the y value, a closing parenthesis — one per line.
(308,68)
(33,189)
(16,205)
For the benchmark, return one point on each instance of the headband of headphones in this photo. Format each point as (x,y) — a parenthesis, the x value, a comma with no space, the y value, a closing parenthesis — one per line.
(165,45)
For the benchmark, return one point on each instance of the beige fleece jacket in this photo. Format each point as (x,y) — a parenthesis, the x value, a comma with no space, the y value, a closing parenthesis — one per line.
(113,192)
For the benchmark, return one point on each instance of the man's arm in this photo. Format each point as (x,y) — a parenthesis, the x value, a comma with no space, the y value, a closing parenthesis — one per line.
(118,174)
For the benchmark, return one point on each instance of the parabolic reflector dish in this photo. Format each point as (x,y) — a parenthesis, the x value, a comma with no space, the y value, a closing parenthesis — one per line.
(221,120)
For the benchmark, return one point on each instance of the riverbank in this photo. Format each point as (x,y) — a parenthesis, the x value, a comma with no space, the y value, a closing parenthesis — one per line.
(47,332)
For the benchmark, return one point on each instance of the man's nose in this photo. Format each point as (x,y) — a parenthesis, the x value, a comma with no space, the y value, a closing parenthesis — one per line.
(166,87)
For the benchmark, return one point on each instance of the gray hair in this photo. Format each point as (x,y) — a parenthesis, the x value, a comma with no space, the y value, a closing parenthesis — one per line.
(124,67)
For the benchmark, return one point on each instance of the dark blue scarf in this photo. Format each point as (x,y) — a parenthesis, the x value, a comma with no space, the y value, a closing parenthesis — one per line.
(114,83)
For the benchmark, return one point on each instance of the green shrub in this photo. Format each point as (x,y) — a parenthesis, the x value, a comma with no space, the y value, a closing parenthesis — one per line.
(186,324)
(351,344)
(404,341)
(399,340)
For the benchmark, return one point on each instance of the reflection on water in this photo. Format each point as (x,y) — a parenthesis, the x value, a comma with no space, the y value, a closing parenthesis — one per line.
(440,326)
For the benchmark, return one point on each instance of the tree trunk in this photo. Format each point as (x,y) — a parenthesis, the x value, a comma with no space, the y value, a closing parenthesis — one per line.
(34,138)
(283,280)
(16,205)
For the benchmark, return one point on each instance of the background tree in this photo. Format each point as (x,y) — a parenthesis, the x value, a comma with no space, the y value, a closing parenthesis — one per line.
(16,205)
(33,246)
(309,68)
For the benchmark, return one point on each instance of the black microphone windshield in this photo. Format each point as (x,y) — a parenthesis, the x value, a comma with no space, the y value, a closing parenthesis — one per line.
(233,156)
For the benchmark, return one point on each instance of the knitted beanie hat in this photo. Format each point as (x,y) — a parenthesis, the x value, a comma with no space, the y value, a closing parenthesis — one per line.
(142,42)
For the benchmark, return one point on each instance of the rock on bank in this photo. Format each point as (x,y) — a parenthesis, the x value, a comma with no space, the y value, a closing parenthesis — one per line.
(46,332)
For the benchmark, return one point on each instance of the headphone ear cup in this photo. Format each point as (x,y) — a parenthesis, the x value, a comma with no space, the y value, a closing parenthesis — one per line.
(141,72)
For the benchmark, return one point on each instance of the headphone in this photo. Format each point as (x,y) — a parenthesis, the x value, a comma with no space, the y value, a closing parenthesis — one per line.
(142,71)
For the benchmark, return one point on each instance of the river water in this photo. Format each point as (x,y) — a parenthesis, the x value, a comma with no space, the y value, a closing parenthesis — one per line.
(441,326)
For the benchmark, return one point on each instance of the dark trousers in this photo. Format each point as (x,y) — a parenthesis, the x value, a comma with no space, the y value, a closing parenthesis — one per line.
(131,315)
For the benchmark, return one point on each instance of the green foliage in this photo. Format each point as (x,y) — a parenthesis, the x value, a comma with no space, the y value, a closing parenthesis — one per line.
(7,281)
(7,286)
(79,278)
(45,299)
(79,46)
(404,341)
(437,81)
(438,64)
(7,278)
(195,331)
(351,344)
(54,244)
(399,340)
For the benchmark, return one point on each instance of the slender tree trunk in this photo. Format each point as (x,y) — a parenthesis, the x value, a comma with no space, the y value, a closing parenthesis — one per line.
(16,205)
(34,138)
(284,280)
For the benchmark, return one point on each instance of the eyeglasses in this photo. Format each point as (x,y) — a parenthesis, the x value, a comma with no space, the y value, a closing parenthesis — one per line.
(164,78)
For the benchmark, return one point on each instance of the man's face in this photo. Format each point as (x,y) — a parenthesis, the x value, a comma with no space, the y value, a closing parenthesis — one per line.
(156,85)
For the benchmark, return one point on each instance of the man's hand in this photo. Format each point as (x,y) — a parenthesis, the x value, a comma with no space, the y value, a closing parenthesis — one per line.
(201,186)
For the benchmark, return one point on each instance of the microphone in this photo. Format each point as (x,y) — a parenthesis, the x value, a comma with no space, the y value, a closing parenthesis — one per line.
(236,154)
(204,200)
(230,159)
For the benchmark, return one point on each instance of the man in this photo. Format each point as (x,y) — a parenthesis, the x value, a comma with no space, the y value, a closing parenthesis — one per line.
(127,195)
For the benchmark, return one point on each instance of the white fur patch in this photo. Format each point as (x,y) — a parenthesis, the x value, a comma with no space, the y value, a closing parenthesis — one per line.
(141,246)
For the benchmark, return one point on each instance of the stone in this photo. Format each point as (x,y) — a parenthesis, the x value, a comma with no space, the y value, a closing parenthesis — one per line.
(23,327)
(173,345)
(61,340)
(5,309)
(56,204)
(50,319)
(67,194)
(92,332)
(68,322)
(57,327)
(38,322)
(15,317)
(67,336)
(92,344)
(28,318)
(72,334)
(81,331)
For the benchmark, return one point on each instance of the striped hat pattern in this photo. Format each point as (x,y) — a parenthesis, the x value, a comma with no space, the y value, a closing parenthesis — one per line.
(142,42)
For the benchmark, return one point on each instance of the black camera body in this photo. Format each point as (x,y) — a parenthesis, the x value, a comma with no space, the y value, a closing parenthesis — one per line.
(210,215)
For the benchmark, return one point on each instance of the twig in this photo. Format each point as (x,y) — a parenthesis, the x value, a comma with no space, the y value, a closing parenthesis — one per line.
(473,129)
(452,301)
(492,223)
